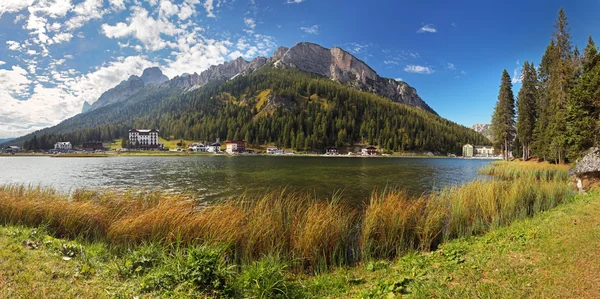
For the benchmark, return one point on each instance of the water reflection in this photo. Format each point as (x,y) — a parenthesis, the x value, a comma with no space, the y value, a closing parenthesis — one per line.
(215,177)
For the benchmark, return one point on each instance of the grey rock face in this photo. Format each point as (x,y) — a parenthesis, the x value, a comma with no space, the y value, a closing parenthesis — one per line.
(120,92)
(153,75)
(590,163)
(86,107)
(344,68)
(483,129)
(222,71)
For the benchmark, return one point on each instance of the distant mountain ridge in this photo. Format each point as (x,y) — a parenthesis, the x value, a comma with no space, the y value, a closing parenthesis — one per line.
(484,129)
(335,64)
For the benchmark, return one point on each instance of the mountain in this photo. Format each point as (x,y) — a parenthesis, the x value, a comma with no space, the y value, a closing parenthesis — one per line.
(153,75)
(340,66)
(306,97)
(483,129)
(3,140)
(127,88)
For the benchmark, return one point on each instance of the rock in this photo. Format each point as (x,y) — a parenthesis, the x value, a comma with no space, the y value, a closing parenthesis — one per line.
(483,129)
(153,75)
(586,174)
(86,107)
(341,66)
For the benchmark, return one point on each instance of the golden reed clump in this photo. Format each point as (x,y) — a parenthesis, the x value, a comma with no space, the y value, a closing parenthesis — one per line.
(311,234)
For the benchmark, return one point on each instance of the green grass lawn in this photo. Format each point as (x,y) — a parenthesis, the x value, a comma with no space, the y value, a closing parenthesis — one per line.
(555,254)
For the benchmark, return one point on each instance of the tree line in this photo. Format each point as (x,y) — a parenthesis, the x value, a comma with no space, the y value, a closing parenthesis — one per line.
(556,116)
(285,107)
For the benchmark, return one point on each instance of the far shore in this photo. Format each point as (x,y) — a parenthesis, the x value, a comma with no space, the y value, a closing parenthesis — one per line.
(184,154)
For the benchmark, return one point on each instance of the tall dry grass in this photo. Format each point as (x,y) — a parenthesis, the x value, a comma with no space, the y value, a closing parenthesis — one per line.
(534,170)
(310,234)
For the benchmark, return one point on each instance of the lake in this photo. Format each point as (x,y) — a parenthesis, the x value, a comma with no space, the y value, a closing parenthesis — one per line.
(216,177)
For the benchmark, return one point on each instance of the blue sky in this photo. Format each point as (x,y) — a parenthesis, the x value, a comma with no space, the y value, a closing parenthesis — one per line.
(56,54)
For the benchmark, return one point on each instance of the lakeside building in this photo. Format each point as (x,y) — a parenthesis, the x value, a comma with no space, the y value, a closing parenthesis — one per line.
(197,147)
(235,146)
(63,146)
(144,139)
(214,147)
(332,151)
(93,146)
(369,151)
(477,150)
(273,150)
(12,149)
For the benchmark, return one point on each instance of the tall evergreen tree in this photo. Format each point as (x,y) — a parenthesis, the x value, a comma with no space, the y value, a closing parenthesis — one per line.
(562,77)
(503,119)
(527,110)
(581,110)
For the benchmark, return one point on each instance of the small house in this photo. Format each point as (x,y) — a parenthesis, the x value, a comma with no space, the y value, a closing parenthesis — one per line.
(478,150)
(63,146)
(197,147)
(92,146)
(271,150)
(213,147)
(332,151)
(369,151)
(12,149)
(235,146)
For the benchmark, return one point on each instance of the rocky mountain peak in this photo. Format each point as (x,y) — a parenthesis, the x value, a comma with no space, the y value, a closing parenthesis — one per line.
(153,75)
(341,66)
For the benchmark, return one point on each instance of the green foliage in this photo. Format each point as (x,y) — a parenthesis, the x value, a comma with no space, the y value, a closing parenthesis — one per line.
(503,119)
(266,278)
(301,111)
(388,288)
(526,105)
(201,268)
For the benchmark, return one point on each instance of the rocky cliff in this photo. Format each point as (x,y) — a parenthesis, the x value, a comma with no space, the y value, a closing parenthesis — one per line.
(127,88)
(483,129)
(222,71)
(341,66)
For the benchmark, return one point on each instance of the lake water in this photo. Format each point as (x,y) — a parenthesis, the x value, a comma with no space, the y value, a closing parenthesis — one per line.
(215,177)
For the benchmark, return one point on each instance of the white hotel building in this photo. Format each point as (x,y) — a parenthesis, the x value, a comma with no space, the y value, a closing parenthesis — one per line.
(144,139)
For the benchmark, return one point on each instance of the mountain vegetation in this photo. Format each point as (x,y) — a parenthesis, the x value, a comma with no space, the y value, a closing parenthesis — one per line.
(558,104)
(282,106)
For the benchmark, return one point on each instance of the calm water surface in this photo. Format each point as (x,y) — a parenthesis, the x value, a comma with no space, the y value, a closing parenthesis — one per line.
(214,177)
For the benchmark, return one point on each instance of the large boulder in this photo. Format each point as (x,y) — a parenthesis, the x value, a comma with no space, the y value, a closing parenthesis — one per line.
(586,173)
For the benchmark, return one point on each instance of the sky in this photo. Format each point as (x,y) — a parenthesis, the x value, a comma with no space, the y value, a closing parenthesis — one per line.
(56,54)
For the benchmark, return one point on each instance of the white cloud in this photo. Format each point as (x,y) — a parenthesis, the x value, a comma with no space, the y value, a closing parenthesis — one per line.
(427,28)
(14,46)
(52,8)
(399,79)
(62,37)
(209,7)
(250,23)
(517,76)
(418,69)
(314,29)
(84,12)
(168,9)
(294,1)
(450,66)
(117,5)
(391,62)
(2,62)
(143,27)
(8,6)
(356,48)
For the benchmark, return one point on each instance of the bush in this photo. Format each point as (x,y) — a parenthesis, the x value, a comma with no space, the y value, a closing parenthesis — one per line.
(266,279)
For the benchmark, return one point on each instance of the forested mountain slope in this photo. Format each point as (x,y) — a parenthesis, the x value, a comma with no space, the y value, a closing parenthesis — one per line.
(283,106)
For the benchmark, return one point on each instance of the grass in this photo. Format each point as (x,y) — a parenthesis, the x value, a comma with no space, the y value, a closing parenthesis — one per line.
(518,169)
(168,245)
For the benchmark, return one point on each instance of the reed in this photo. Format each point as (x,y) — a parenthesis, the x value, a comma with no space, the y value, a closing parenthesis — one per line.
(308,233)
(536,170)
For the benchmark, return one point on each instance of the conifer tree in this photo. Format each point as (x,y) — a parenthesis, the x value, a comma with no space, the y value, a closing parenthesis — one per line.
(527,110)
(503,119)
(581,110)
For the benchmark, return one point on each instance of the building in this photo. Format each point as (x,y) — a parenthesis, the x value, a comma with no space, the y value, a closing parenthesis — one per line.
(235,146)
(477,150)
(273,150)
(12,149)
(214,147)
(93,146)
(197,147)
(63,146)
(369,151)
(332,151)
(144,139)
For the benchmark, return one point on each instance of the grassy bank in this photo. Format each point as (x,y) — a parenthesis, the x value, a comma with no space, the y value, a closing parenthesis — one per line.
(552,255)
(169,244)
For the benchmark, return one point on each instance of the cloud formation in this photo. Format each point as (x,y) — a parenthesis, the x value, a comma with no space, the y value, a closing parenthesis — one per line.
(418,69)
(429,28)
(314,29)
